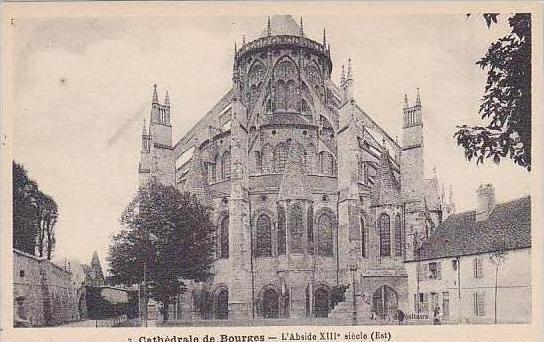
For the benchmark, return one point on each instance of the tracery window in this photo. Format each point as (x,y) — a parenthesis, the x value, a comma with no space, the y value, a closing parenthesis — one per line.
(263,237)
(225,166)
(280,157)
(324,235)
(224,238)
(296,229)
(280,98)
(398,236)
(285,97)
(385,235)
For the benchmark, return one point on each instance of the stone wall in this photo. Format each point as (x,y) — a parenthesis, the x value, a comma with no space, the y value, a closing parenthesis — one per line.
(43,293)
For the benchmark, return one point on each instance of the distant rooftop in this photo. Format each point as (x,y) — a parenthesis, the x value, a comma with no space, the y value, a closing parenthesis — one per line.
(508,227)
(282,25)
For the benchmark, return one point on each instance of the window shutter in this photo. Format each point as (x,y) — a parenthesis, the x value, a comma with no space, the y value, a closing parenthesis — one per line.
(475,266)
(426,271)
(415,302)
(475,303)
(425,302)
(439,270)
(480,268)
(481,304)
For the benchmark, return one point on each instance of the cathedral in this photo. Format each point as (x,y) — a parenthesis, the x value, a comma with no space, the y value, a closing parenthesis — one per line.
(317,207)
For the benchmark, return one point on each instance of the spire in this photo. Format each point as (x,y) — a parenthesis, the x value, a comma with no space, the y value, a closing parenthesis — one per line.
(324,38)
(268,28)
(405,101)
(343,77)
(301,28)
(329,49)
(350,75)
(167,100)
(418,98)
(155,96)
(235,49)
(144,131)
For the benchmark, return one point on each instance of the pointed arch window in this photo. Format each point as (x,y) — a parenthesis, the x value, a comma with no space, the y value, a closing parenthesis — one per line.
(364,238)
(225,166)
(281,235)
(280,157)
(296,229)
(398,236)
(263,238)
(291,102)
(281,93)
(310,229)
(385,235)
(224,238)
(324,235)
(327,164)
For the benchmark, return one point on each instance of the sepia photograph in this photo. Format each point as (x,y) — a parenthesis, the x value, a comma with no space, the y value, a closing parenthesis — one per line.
(342,170)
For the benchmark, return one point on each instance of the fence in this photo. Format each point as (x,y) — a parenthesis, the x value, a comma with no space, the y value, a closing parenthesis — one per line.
(111,322)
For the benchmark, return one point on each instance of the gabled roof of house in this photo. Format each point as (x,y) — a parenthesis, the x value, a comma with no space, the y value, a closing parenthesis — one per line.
(507,227)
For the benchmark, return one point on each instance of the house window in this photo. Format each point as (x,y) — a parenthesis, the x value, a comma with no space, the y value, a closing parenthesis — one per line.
(385,235)
(224,238)
(435,270)
(446,304)
(423,302)
(478,267)
(454,265)
(263,237)
(479,303)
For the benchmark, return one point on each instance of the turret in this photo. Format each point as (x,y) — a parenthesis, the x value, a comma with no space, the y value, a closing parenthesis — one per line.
(159,125)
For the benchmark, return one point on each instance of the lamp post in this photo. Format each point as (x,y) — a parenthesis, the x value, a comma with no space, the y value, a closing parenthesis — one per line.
(353,269)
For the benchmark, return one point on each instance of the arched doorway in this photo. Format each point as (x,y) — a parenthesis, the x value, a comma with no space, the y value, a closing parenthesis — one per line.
(222,304)
(385,302)
(270,304)
(321,302)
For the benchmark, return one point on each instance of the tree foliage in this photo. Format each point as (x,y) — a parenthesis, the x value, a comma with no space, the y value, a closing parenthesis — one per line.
(168,231)
(34,216)
(506,104)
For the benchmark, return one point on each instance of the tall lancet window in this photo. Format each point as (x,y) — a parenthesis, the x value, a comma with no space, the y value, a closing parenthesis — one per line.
(263,237)
(225,166)
(280,157)
(310,229)
(324,235)
(281,236)
(224,238)
(398,236)
(385,235)
(296,229)
(363,238)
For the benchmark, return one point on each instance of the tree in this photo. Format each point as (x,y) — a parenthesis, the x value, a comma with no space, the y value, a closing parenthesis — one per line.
(34,215)
(506,104)
(497,258)
(167,237)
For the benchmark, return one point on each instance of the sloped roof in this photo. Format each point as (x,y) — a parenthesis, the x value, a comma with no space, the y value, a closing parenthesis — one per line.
(282,25)
(386,189)
(508,227)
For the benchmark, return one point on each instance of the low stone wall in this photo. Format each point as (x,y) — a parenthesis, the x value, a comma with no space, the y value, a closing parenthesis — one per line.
(43,293)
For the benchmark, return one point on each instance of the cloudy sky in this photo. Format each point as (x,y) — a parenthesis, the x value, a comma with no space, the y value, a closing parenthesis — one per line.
(82,88)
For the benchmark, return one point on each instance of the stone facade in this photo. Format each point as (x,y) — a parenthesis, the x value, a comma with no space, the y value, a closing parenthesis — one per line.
(308,192)
(44,294)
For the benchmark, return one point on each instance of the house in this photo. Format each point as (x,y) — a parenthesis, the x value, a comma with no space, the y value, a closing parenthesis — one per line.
(476,266)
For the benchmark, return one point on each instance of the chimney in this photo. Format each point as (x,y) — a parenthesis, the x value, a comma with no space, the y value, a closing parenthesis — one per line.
(486,201)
